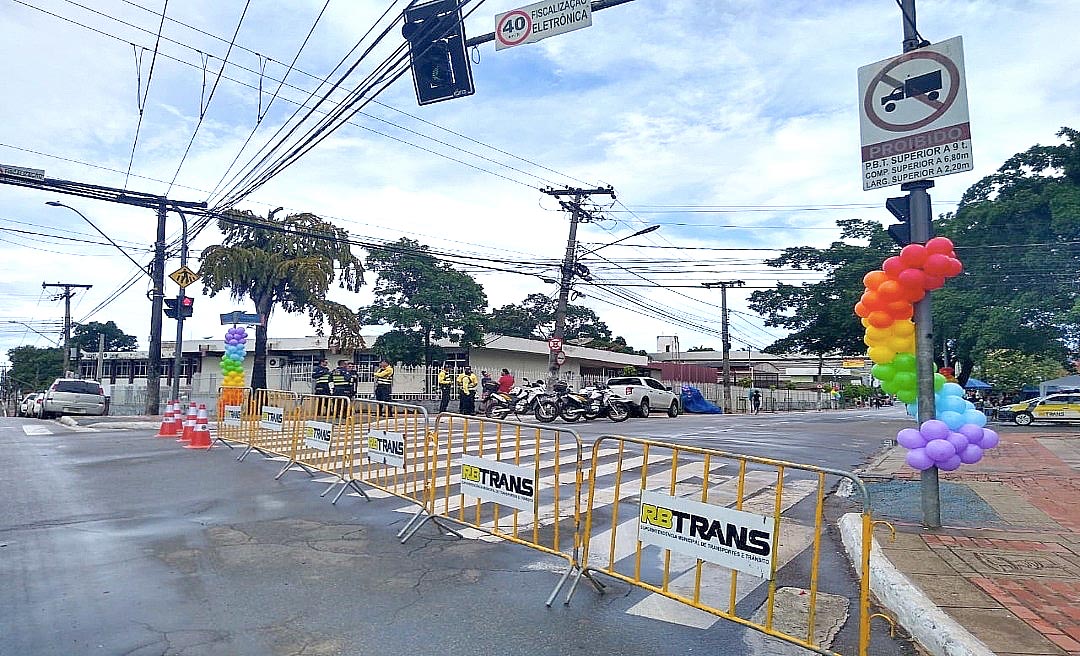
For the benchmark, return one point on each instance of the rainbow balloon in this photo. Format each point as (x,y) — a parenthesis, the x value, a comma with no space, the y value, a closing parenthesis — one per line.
(232,363)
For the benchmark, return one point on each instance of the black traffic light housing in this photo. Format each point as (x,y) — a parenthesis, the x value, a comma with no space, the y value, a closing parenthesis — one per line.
(440,65)
(187,305)
(900,207)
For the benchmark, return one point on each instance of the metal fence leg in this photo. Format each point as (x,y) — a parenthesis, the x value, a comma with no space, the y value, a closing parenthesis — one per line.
(346,486)
(559,585)
(243,455)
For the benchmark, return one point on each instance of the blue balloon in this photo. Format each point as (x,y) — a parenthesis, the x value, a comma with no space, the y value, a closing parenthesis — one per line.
(913,410)
(952,389)
(954,420)
(975,417)
(952,403)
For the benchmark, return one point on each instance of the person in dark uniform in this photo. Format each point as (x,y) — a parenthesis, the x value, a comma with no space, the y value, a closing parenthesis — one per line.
(340,378)
(446,383)
(384,381)
(320,378)
(353,378)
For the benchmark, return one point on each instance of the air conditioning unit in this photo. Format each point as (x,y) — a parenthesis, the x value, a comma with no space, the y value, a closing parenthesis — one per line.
(275,361)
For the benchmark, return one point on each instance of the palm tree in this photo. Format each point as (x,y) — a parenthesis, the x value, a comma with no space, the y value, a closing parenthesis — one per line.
(288,263)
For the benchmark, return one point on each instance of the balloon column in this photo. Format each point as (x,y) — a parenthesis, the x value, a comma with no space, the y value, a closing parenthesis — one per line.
(232,363)
(956,435)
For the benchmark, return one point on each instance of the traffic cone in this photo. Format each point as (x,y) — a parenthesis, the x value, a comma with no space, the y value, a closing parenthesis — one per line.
(189,423)
(200,439)
(168,422)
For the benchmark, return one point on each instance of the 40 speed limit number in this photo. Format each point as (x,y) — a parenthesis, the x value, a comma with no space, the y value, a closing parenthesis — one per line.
(513,28)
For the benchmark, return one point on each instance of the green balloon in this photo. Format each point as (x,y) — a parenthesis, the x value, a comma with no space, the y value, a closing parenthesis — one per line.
(883,371)
(889,387)
(904,362)
(905,380)
(939,382)
(907,396)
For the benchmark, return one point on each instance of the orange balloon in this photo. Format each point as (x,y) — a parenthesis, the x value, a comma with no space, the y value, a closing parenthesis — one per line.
(890,290)
(901,312)
(880,319)
(861,310)
(872,301)
(874,278)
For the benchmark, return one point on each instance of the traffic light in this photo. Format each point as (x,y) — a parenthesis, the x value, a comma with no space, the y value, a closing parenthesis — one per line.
(187,305)
(440,66)
(900,207)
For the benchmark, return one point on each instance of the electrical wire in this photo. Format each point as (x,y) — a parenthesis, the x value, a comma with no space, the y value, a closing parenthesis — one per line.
(140,96)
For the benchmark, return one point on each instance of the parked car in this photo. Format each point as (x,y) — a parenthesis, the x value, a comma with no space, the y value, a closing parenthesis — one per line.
(27,404)
(71,396)
(644,394)
(36,405)
(1056,407)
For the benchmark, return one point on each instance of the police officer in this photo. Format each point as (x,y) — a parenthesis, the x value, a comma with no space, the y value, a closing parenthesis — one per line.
(467,384)
(446,382)
(384,380)
(340,378)
(353,377)
(320,378)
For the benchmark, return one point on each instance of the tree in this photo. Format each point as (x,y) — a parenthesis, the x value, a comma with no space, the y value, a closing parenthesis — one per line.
(86,335)
(289,263)
(416,293)
(699,349)
(35,368)
(618,345)
(1009,370)
(404,346)
(534,318)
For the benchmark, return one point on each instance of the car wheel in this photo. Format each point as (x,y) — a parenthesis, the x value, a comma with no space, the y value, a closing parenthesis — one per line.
(1023,419)
(643,409)
(673,409)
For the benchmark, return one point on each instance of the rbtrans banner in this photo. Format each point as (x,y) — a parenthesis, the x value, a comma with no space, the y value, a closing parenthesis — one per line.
(730,538)
(272,418)
(318,435)
(386,448)
(233,415)
(499,482)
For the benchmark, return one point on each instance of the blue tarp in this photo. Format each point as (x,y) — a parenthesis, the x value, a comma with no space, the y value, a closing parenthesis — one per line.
(693,401)
(976,384)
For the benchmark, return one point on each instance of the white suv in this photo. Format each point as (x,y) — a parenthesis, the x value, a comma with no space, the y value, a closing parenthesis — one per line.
(646,393)
(71,396)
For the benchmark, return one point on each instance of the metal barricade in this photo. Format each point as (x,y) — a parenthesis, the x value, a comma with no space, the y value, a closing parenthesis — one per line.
(325,439)
(391,452)
(519,482)
(277,422)
(708,528)
(235,416)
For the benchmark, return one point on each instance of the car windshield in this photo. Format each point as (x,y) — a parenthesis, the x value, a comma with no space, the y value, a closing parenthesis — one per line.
(77,387)
(624,381)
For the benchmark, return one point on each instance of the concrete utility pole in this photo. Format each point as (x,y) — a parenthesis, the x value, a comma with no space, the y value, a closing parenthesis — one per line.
(921,217)
(178,353)
(67,286)
(728,406)
(577,215)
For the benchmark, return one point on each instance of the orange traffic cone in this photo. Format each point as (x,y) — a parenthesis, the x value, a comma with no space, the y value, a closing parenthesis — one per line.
(168,422)
(200,439)
(189,423)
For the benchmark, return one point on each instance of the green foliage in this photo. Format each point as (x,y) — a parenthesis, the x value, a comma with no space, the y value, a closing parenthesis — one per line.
(85,336)
(618,345)
(745,382)
(534,318)
(417,293)
(697,349)
(289,263)
(856,391)
(1008,370)
(406,347)
(34,369)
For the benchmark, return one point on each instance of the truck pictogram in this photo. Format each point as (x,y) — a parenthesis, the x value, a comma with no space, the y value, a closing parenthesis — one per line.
(927,84)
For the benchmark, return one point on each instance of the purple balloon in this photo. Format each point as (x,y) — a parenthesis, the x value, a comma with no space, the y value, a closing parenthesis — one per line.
(940,450)
(971,454)
(949,464)
(917,459)
(912,439)
(972,432)
(933,429)
(958,440)
(990,439)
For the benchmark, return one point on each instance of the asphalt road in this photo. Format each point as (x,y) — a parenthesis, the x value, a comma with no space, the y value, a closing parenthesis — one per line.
(113,542)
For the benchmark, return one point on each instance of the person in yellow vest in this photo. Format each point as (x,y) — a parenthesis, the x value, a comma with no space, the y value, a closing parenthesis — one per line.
(384,380)
(340,380)
(446,383)
(467,384)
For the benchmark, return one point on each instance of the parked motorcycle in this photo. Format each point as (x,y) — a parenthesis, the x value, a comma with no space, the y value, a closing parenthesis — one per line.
(572,406)
(521,400)
(603,402)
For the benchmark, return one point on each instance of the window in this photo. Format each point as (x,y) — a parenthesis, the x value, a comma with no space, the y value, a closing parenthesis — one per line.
(654,384)
(615,382)
(138,368)
(76,387)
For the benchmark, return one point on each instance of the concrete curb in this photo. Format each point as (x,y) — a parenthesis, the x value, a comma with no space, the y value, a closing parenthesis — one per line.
(938,633)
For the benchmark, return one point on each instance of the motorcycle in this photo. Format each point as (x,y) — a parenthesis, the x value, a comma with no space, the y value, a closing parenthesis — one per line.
(573,406)
(521,400)
(603,402)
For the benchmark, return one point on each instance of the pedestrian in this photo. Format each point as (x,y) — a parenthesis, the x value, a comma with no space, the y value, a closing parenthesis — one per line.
(446,382)
(755,401)
(506,381)
(353,376)
(384,380)
(467,384)
(320,378)
(487,386)
(340,379)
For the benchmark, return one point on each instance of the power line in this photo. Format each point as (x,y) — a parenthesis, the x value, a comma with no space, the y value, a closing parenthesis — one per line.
(141,98)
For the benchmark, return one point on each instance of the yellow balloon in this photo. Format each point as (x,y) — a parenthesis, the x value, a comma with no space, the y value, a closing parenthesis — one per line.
(904,328)
(902,344)
(865,323)
(881,354)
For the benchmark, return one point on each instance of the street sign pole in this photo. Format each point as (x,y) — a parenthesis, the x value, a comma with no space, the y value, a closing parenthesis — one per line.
(179,350)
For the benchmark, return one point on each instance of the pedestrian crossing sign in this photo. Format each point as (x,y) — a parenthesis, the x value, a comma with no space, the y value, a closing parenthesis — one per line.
(184,276)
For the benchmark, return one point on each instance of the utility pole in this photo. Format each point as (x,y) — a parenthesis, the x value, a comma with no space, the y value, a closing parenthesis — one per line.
(577,215)
(67,286)
(157,296)
(921,217)
(178,353)
(728,406)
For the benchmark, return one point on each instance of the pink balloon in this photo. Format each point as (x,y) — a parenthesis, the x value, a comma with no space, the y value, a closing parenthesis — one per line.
(950,464)
(958,441)
(932,429)
(917,459)
(940,450)
(990,439)
(971,454)
(911,439)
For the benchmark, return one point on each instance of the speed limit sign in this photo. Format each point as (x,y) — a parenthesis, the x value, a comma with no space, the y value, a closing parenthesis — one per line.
(512,29)
(540,20)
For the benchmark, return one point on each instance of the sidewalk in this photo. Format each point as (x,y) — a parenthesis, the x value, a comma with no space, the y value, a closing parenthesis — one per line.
(1006,564)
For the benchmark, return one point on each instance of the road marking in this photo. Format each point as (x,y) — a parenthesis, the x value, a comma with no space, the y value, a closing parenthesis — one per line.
(36,429)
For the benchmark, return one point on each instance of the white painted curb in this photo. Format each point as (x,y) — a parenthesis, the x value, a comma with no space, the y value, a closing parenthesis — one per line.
(938,633)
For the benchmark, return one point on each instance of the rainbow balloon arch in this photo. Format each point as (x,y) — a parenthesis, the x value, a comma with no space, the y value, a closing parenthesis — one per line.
(957,435)
(232,363)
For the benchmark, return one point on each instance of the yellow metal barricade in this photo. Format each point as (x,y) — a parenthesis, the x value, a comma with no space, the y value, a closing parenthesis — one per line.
(235,415)
(391,452)
(707,528)
(519,482)
(325,438)
(276,422)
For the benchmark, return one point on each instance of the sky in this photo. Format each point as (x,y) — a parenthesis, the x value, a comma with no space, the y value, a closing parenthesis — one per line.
(733,126)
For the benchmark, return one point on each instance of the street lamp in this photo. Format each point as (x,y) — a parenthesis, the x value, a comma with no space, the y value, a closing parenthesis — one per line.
(643,231)
(56,203)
